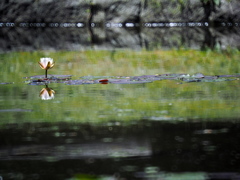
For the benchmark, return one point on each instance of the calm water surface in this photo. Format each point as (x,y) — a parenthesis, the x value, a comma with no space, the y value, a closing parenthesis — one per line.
(97,103)
(166,129)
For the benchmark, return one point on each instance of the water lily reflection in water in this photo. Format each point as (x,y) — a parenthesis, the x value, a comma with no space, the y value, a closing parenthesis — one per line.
(47,93)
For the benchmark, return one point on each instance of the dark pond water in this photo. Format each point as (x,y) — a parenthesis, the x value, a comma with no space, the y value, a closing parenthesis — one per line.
(121,104)
(139,150)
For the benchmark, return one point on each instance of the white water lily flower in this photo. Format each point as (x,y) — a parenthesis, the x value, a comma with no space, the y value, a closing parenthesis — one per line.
(46,63)
(47,93)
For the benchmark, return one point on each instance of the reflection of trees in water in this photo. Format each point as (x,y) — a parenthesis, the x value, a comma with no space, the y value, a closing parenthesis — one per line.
(28,39)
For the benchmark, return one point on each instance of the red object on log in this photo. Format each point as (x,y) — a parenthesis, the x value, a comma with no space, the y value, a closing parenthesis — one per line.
(103,81)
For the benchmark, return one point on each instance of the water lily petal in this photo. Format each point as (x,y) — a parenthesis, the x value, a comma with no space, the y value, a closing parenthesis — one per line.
(47,94)
(41,65)
(46,63)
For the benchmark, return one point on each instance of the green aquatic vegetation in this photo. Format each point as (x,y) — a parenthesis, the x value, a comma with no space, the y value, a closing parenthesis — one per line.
(176,91)
(127,63)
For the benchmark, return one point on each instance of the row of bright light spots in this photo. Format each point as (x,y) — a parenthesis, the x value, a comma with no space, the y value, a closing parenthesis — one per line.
(25,24)
(109,25)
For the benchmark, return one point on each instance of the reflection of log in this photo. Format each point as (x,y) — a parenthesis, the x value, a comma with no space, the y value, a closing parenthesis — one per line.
(128,148)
